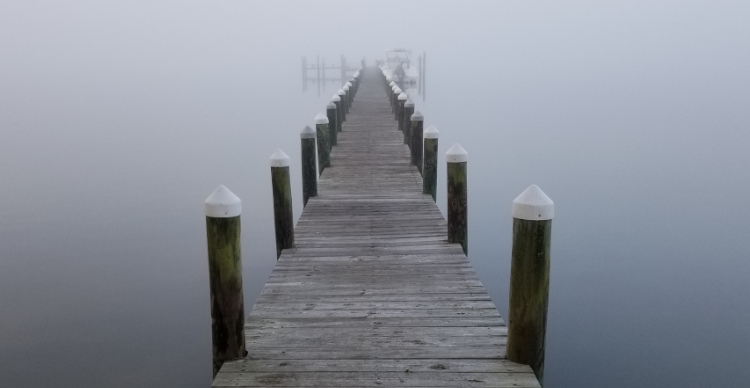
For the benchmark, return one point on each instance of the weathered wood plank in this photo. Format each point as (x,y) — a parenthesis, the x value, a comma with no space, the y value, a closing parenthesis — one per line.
(373,322)
(440,365)
(374,379)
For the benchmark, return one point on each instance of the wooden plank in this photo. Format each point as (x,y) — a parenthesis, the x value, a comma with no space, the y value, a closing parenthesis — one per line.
(374,379)
(373,322)
(440,365)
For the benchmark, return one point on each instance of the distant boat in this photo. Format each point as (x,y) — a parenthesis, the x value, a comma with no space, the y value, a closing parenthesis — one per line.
(399,67)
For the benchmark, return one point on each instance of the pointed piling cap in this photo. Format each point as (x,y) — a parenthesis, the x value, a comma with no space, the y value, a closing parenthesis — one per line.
(397,90)
(409,103)
(346,88)
(331,105)
(222,203)
(335,98)
(307,133)
(321,118)
(349,84)
(279,159)
(402,96)
(431,132)
(417,116)
(356,75)
(342,92)
(391,83)
(456,154)
(533,205)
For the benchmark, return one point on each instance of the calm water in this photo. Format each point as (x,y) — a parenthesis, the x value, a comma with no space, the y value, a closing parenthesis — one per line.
(118,121)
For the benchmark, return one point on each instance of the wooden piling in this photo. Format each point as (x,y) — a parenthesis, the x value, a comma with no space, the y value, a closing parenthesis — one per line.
(321,130)
(342,96)
(458,231)
(349,89)
(356,81)
(282,201)
(396,93)
(529,279)
(406,119)
(392,97)
(429,172)
(333,127)
(416,140)
(347,97)
(223,209)
(309,176)
(390,92)
(339,111)
(401,99)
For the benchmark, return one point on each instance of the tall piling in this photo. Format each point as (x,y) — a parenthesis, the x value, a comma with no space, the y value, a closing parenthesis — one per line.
(282,201)
(401,99)
(458,232)
(321,130)
(339,111)
(223,227)
(309,175)
(333,125)
(532,212)
(344,109)
(415,140)
(429,173)
(347,98)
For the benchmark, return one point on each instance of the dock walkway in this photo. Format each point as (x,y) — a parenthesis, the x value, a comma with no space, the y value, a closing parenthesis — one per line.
(372,295)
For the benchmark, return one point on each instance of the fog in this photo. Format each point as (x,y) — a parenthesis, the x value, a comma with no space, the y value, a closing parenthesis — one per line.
(119,119)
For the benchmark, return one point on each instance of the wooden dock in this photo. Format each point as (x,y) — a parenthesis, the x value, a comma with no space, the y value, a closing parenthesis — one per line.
(372,295)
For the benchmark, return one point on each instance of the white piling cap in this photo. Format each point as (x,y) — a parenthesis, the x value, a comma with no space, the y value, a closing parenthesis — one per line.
(321,118)
(279,159)
(417,116)
(356,74)
(342,92)
(431,132)
(349,84)
(533,205)
(331,105)
(391,84)
(346,88)
(456,154)
(409,103)
(307,133)
(222,203)
(335,98)
(397,90)
(387,77)
(403,97)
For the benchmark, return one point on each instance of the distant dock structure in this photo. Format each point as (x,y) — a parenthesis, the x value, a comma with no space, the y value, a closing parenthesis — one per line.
(373,286)
(320,73)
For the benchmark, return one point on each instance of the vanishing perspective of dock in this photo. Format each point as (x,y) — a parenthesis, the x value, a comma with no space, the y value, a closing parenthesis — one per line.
(372,293)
